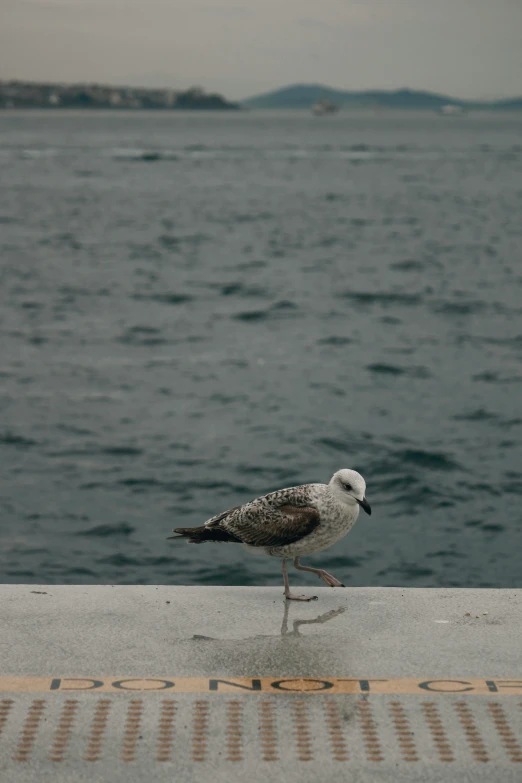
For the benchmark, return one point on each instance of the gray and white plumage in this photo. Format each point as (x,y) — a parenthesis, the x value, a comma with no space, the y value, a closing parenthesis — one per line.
(290,522)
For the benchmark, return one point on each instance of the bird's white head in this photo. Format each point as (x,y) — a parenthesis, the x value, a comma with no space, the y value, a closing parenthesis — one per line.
(349,487)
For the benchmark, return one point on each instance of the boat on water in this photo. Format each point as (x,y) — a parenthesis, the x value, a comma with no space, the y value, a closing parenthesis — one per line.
(324,107)
(451,110)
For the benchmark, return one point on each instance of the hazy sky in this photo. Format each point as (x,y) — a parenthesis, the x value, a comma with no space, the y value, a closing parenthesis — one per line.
(469,48)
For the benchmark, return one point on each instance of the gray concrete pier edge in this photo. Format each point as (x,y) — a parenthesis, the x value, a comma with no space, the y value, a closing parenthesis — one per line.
(187,683)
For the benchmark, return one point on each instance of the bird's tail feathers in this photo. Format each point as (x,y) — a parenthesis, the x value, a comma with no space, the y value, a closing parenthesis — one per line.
(198,535)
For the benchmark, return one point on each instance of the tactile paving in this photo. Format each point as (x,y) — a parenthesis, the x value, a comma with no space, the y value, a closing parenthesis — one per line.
(225,732)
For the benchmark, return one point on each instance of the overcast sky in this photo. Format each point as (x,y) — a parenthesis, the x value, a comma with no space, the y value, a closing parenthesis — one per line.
(467,48)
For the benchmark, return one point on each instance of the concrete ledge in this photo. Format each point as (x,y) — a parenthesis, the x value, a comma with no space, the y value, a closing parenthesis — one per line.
(151,630)
(195,683)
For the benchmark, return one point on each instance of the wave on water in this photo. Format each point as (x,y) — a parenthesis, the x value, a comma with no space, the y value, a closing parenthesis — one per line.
(358,152)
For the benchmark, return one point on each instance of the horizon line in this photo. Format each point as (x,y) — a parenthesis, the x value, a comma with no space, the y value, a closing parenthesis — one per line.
(351,90)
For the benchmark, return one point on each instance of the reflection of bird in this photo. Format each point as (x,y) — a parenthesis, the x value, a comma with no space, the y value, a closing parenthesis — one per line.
(323,618)
(290,522)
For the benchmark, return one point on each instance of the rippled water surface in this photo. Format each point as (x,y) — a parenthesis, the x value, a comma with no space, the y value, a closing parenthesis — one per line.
(200,308)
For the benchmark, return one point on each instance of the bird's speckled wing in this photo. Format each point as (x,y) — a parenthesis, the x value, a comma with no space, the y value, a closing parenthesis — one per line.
(276,519)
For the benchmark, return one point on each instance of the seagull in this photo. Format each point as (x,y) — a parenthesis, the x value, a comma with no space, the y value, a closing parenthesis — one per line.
(290,523)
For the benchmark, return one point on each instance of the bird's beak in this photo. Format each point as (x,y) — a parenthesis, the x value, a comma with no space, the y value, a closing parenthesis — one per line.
(364,504)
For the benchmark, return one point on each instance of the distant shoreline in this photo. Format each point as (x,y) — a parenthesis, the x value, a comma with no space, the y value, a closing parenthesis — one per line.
(54,97)
(121,110)
(243,111)
(298,97)
(306,96)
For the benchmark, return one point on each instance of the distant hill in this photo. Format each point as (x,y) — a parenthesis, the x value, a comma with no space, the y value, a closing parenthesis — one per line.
(298,96)
(509,104)
(303,96)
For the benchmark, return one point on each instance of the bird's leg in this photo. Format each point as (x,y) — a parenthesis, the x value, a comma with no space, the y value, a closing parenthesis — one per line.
(330,580)
(290,596)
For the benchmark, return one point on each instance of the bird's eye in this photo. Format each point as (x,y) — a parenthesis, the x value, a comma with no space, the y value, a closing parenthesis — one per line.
(348,487)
